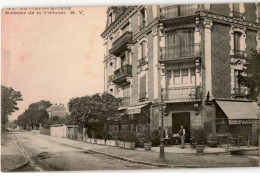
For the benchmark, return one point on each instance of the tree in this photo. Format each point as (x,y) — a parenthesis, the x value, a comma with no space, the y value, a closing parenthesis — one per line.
(252,77)
(93,111)
(10,97)
(35,114)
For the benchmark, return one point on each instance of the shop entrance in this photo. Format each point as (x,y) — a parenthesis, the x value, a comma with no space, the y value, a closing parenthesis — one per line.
(182,118)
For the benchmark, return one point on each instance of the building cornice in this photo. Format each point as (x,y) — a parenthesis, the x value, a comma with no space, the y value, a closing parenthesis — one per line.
(120,20)
(228,20)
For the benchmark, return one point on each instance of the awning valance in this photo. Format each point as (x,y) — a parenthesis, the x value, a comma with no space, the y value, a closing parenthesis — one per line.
(239,110)
(135,109)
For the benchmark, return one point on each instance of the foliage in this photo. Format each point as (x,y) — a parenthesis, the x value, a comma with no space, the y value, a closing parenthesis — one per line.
(93,111)
(252,77)
(9,98)
(155,137)
(129,137)
(200,137)
(35,114)
(147,134)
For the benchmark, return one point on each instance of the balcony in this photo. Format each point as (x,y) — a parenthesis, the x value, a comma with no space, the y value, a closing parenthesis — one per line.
(142,62)
(239,92)
(172,53)
(110,78)
(181,94)
(122,73)
(239,53)
(176,11)
(125,102)
(119,46)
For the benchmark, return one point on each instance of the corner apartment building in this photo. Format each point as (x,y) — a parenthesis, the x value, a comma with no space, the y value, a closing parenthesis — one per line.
(187,56)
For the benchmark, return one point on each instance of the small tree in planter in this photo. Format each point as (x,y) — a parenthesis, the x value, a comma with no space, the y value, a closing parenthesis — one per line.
(130,139)
(147,139)
(200,139)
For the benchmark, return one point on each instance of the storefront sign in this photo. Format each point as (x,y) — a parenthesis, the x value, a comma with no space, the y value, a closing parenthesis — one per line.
(134,111)
(241,121)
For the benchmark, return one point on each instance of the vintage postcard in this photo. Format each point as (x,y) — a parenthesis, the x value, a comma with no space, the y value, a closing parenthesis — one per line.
(130,87)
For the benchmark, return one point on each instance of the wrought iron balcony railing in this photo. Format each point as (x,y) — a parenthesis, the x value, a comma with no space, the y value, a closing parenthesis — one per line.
(239,53)
(119,45)
(125,102)
(124,71)
(240,91)
(175,11)
(142,61)
(176,94)
(110,78)
(180,52)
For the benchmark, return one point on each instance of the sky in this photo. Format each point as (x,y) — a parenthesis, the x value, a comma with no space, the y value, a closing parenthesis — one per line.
(53,57)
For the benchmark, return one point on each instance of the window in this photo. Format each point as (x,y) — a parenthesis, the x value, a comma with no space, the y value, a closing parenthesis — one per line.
(123,60)
(237,39)
(238,74)
(176,77)
(180,77)
(180,43)
(142,88)
(143,50)
(192,75)
(237,11)
(236,7)
(168,78)
(142,19)
(185,76)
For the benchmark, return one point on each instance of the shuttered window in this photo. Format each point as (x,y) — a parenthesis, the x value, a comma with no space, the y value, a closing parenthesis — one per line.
(142,91)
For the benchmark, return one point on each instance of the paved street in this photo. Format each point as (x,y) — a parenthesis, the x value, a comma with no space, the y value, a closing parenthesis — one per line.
(48,153)
(49,156)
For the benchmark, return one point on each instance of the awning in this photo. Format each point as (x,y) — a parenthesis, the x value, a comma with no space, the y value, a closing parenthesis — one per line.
(239,110)
(135,109)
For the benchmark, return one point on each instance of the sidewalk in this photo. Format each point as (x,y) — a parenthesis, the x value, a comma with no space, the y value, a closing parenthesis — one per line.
(172,160)
(12,157)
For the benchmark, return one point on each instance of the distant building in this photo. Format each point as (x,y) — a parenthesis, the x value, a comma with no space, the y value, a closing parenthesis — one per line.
(57,110)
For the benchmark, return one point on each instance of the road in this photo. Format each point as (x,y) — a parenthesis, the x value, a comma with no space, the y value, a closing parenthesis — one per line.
(48,156)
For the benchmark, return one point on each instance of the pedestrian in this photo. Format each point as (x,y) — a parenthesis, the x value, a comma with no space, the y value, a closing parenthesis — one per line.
(182,134)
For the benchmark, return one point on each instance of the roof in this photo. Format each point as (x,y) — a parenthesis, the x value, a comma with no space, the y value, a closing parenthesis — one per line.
(239,109)
(56,108)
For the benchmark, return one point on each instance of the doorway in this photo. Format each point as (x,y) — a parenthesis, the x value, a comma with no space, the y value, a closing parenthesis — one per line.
(182,118)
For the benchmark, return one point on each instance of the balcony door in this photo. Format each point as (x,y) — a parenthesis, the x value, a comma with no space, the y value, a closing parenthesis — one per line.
(180,43)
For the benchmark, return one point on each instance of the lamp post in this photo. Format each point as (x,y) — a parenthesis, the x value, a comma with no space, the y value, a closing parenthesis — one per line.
(162,156)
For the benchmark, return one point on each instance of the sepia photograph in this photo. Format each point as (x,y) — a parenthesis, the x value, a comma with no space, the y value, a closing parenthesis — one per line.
(130,87)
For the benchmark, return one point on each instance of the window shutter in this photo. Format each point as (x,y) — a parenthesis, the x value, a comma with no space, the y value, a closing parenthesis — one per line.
(142,91)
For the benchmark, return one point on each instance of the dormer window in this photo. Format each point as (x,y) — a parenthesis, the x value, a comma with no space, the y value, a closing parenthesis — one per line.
(237,10)
(111,17)
(142,19)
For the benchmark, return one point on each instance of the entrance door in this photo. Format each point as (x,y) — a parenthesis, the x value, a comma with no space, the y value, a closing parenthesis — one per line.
(179,119)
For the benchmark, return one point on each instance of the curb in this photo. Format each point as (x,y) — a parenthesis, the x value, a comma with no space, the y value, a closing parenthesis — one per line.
(24,164)
(127,159)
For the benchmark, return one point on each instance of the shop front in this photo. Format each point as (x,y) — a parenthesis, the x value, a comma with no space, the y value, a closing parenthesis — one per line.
(237,118)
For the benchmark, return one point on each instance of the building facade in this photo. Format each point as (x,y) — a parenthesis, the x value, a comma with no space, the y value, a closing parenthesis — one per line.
(188,57)
(57,110)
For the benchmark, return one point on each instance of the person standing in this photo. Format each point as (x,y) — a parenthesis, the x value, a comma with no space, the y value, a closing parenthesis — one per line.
(182,134)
